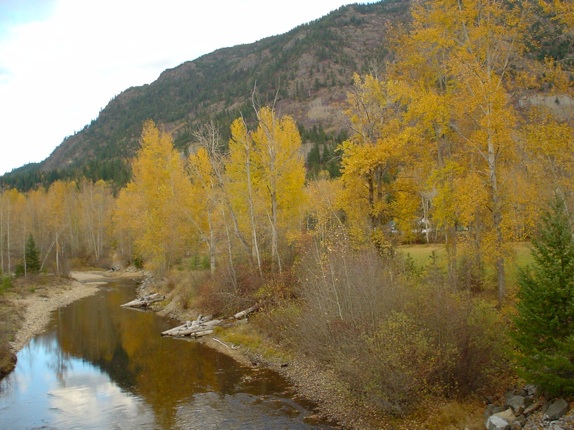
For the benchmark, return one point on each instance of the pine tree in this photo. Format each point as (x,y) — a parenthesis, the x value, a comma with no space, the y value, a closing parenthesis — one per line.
(32,256)
(544,325)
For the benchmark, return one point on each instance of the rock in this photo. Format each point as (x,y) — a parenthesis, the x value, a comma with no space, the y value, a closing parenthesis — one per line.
(516,426)
(491,409)
(531,390)
(556,409)
(496,423)
(517,404)
(534,407)
(507,415)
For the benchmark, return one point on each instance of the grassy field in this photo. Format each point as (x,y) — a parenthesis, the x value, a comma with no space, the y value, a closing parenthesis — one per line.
(423,255)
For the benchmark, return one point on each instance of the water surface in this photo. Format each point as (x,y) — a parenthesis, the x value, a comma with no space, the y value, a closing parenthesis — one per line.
(101,366)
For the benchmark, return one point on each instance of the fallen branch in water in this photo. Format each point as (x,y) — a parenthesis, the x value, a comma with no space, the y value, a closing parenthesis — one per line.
(145,301)
(204,325)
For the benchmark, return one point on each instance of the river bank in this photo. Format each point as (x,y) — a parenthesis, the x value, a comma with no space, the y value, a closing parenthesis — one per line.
(313,382)
(28,306)
(38,307)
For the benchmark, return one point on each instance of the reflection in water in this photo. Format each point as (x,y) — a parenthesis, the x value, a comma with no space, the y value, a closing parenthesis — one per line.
(54,390)
(103,366)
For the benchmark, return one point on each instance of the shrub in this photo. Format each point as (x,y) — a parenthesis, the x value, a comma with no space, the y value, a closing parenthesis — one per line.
(394,338)
(6,283)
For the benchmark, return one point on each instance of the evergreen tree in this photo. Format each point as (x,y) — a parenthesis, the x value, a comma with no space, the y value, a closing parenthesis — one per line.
(314,160)
(32,256)
(544,325)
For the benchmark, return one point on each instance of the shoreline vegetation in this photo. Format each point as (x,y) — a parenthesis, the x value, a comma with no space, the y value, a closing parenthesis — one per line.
(319,385)
(250,347)
(34,305)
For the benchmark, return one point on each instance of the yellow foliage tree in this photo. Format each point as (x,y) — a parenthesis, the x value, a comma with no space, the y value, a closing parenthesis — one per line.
(441,126)
(60,223)
(204,200)
(373,163)
(266,176)
(241,183)
(281,176)
(149,208)
(323,214)
(96,203)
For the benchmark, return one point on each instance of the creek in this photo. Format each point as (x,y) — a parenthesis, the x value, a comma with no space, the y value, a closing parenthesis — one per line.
(101,366)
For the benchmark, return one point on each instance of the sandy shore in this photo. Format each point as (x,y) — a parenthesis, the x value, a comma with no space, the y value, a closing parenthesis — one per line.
(39,307)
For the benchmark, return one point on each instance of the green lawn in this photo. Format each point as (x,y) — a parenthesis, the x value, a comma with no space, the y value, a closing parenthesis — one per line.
(421,255)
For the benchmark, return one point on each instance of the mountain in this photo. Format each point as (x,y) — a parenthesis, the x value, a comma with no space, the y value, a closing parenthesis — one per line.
(305,73)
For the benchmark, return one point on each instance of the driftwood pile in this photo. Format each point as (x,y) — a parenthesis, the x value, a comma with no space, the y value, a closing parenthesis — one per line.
(144,302)
(204,325)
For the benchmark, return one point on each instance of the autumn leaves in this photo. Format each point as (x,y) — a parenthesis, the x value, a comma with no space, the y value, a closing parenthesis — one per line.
(441,136)
(240,204)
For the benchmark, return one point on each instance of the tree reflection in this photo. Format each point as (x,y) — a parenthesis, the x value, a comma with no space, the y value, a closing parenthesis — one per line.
(126,344)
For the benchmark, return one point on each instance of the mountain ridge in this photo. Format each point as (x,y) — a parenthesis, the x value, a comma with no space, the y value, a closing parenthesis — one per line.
(305,73)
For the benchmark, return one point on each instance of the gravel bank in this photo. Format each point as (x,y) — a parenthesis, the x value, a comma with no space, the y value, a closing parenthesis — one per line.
(38,307)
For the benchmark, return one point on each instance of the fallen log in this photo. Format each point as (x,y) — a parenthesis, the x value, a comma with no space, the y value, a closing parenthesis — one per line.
(144,302)
(202,333)
(246,312)
(192,328)
(203,325)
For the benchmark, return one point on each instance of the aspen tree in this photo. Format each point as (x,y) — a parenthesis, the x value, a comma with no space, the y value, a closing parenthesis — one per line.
(209,138)
(241,184)
(204,201)
(266,176)
(455,87)
(58,221)
(373,162)
(282,175)
(149,205)
(10,217)
(96,205)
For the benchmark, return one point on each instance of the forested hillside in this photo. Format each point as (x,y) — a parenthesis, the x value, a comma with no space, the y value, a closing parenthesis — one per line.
(460,138)
(305,73)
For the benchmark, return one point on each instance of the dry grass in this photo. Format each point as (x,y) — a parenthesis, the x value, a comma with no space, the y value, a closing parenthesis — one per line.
(453,415)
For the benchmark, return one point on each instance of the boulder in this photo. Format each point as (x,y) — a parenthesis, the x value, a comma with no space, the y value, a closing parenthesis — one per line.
(507,415)
(501,420)
(496,423)
(556,409)
(531,390)
(517,404)
(516,426)
(491,409)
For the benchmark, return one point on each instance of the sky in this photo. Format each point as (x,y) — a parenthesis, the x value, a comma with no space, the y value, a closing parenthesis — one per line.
(62,61)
